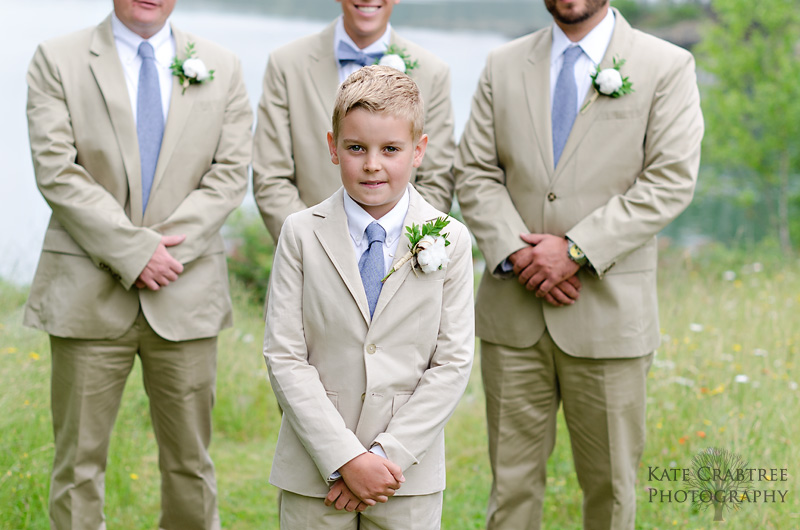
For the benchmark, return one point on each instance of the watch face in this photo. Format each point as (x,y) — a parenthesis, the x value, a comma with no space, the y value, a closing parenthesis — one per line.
(575,252)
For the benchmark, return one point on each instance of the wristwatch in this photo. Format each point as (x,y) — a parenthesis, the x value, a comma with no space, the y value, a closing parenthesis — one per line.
(576,254)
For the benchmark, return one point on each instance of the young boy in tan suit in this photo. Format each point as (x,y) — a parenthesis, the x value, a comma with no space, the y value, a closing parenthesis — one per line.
(367,372)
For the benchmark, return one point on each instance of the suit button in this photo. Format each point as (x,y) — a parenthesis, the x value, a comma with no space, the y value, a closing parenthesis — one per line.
(551,196)
(371,348)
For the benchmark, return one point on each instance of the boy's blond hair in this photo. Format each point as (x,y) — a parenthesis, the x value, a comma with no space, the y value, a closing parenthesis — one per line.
(380,89)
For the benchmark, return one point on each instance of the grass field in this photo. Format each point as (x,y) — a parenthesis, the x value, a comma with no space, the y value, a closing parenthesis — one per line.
(726,376)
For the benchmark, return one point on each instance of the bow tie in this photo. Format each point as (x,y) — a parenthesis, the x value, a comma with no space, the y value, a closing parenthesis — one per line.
(348,54)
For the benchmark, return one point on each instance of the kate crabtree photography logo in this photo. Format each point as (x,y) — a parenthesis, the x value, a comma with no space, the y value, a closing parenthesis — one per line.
(717,479)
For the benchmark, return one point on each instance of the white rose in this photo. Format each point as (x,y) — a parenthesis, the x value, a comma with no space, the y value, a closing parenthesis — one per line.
(608,81)
(393,60)
(434,255)
(195,68)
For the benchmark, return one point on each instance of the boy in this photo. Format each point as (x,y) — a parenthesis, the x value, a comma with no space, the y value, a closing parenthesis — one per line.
(290,170)
(367,372)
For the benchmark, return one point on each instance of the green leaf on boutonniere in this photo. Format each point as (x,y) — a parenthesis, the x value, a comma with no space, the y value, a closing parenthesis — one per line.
(191,70)
(415,234)
(610,82)
(394,55)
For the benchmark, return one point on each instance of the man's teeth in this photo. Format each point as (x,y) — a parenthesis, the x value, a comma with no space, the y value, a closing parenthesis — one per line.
(367,9)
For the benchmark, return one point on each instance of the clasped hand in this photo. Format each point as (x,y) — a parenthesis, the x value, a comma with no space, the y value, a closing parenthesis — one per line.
(162,267)
(366,480)
(545,268)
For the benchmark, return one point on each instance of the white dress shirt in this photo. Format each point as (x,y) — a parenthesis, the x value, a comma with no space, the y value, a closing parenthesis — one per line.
(358,220)
(128,49)
(594,46)
(379,46)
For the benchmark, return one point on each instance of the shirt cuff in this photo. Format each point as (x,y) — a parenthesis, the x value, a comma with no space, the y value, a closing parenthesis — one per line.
(375,449)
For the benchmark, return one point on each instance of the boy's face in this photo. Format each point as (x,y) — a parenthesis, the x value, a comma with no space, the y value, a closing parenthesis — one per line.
(366,20)
(376,154)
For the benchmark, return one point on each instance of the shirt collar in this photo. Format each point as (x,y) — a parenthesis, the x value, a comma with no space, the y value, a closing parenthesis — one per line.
(358,219)
(128,42)
(594,45)
(379,46)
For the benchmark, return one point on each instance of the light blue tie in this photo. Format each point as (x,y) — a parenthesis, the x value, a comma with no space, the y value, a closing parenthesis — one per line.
(372,266)
(347,54)
(149,118)
(565,102)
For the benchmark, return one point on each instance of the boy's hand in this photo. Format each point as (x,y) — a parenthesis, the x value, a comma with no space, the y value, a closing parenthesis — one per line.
(372,478)
(344,498)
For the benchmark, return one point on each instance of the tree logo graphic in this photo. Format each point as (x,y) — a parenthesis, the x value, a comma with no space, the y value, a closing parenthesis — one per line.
(718,479)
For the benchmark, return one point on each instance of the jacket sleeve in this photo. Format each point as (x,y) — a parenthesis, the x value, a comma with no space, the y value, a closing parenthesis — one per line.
(274,178)
(296,383)
(84,208)
(417,424)
(434,179)
(481,182)
(666,184)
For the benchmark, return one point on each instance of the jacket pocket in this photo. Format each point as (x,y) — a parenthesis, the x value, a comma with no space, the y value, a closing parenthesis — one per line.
(334,397)
(399,400)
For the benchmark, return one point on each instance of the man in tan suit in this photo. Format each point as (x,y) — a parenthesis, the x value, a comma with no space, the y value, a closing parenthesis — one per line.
(140,176)
(367,372)
(291,169)
(626,167)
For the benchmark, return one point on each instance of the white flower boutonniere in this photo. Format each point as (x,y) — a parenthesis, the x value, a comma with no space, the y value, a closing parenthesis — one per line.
(609,81)
(191,70)
(427,247)
(398,59)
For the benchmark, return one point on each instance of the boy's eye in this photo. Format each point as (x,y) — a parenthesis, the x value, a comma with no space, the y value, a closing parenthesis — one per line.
(355,148)
(392,149)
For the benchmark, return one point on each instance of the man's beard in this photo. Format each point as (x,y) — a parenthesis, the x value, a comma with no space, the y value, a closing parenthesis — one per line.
(592,7)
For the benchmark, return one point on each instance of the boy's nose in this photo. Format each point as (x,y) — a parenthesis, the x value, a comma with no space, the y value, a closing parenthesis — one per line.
(372,163)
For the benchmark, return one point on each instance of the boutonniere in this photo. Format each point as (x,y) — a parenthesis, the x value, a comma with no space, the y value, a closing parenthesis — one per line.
(609,81)
(426,244)
(398,59)
(191,70)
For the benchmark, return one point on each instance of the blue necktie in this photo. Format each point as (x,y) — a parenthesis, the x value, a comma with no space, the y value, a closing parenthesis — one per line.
(347,54)
(372,266)
(565,102)
(149,118)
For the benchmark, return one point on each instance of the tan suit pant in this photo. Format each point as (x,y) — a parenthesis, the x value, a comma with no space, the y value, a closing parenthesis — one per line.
(87,384)
(604,408)
(413,512)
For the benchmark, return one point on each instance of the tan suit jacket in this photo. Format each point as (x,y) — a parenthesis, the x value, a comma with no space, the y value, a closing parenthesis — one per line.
(86,158)
(345,382)
(628,168)
(291,164)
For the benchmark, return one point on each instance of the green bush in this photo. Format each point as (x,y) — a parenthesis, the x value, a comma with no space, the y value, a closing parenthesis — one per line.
(250,252)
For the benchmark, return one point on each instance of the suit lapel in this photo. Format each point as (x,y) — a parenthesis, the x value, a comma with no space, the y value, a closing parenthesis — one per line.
(334,237)
(393,283)
(323,69)
(110,78)
(536,78)
(180,108)
(594,103)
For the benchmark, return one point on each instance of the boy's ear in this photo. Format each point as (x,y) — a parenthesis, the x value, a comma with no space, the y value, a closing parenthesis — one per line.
(332,149)
(419,150)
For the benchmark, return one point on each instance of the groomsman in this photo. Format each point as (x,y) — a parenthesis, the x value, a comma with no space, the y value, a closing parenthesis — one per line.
(565,184)
(140,170)
(291,165)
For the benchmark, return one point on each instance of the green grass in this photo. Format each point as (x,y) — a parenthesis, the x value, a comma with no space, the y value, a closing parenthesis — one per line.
(750,326)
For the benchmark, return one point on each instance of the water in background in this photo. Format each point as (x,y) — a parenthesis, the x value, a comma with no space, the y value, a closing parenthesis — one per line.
(23,212)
